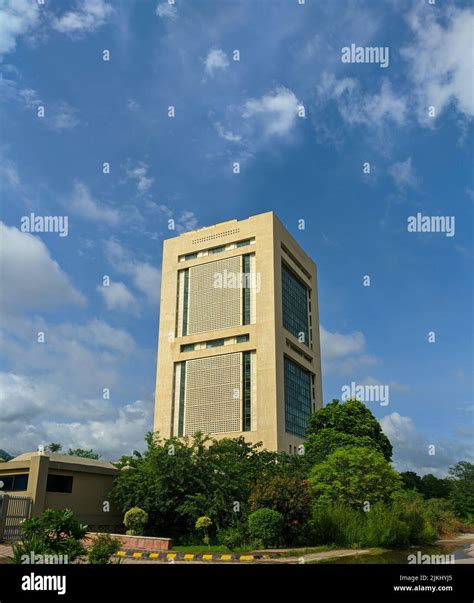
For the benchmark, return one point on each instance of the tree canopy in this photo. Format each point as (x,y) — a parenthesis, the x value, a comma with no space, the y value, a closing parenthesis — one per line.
(344,424)
(354,476)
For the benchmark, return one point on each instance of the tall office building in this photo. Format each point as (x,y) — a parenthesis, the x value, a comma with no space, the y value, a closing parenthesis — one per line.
(238,346)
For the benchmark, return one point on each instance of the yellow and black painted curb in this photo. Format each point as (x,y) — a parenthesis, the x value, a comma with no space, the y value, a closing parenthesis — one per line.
(170,556)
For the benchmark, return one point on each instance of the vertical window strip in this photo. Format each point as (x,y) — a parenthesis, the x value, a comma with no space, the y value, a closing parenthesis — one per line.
(246,389)
(246,289)
(185,302)
(182,392)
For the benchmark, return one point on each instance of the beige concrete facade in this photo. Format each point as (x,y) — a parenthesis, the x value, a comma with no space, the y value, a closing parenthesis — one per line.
(213,316)
(91,484)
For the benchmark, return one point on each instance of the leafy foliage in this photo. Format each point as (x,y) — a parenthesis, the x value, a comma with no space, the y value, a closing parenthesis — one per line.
(429,485)
(353,476)
(233,537)
(177,480)
(54,447)
(290,496)
(351,418)
(135,519)
(87,454)
(102,549)
(55,532)
(266,527)
(462,492)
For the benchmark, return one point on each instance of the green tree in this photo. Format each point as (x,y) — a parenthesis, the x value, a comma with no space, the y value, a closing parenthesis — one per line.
(462,489)
(411,480)
(87,454)
(320,445)
(435,487)
(351,418)
(290,496)
(202,525)
(354,476)
(54,447)
(177,480)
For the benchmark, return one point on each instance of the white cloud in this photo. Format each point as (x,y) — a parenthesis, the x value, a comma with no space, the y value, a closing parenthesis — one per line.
(62,117)
(139,174)
(278,111)
(29,275)
(27,419)
(121,434)
(216,59)
(145,277)
(166,10)
(226,134)
(411,448)
(88,16)
(403,174)
(118,297)
(9,176)
(440,61)
(344,354)
(359,108)
(83,204)
(17,18)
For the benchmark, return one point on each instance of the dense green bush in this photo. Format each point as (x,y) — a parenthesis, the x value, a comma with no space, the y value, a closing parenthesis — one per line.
(55,532)
(288,495)
(336,524)
(135,520)
(102,548)
(266,526)
(233,537)
(179,479)
(388,525)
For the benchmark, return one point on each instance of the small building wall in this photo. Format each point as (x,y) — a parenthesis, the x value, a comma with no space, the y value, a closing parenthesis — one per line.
(91,486)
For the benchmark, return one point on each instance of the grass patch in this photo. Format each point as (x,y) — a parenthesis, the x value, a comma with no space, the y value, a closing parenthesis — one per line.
(214,548)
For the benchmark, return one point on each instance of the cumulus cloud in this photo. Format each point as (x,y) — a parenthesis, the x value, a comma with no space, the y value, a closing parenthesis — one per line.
(118,297)
(277,110)
(403,174)
(83,204)
(344,354)
(88,16)
(29,275)
(412,449)
(440,61)
(145,277)
(33,413)
(17,18)
(166,10)
(216,60)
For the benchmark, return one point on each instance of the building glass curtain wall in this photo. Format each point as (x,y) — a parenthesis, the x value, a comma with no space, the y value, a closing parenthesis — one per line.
(295,305)
(297,398)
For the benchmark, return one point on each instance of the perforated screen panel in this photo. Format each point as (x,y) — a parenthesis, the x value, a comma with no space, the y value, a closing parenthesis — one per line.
(213,394)
(214,298)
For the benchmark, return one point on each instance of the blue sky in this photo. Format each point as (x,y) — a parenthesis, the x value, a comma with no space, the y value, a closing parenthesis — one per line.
(303,165)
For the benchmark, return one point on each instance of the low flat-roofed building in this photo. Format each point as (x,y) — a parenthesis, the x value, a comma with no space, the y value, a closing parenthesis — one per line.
(61,481)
